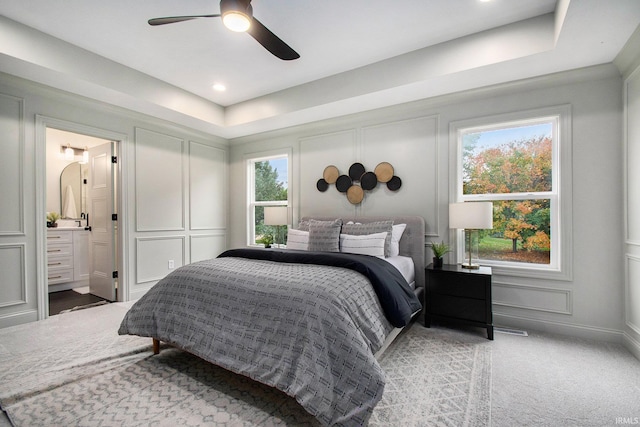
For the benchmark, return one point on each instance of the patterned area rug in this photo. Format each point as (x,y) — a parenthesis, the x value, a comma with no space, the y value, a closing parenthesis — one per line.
(73,369)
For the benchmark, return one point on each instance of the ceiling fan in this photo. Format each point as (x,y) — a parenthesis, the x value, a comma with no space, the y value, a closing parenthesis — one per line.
(237,15)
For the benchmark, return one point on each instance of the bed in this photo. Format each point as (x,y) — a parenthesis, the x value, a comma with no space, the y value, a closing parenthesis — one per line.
(309,323)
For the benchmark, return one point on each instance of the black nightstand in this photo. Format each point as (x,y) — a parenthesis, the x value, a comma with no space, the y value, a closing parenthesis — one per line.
(460,295)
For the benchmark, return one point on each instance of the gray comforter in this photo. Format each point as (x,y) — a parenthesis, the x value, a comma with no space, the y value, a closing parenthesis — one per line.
(308,330)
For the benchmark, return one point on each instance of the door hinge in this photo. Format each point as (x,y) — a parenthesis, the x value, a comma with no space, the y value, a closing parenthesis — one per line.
(114,159)
(114,217)
(115,275)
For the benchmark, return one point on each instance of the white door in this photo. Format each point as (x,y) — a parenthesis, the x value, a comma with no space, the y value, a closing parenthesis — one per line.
(100,207)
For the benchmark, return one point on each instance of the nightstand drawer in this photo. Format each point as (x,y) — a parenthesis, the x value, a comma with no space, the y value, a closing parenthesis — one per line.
(459,308)
(468,286)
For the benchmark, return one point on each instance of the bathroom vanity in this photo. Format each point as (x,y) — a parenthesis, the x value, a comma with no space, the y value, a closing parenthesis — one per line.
(67,258)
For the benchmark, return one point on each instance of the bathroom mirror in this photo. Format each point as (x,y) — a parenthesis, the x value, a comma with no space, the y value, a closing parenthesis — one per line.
(72,190)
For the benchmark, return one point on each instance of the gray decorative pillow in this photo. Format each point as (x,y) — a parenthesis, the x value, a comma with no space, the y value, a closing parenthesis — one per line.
(359,229)
(324,235)
(303,225)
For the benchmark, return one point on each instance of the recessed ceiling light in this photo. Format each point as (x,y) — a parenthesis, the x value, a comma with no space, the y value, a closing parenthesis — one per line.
(219,87)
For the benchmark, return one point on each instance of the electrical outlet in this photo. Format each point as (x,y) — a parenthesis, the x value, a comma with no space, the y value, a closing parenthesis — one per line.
(171,264)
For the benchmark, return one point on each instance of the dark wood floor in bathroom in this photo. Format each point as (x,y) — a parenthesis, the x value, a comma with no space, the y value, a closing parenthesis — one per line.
(64,300)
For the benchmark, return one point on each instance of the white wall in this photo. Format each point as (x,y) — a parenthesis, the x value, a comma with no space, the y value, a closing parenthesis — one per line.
(174,193)
(414,138)
(630,64)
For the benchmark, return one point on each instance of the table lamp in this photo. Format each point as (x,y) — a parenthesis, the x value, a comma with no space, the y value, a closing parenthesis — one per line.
(276,215)
(471,216)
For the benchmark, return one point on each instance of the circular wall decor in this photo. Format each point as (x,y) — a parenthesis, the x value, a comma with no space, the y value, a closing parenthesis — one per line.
(384,172)
(355,194)
(358,180)
(394,183)
(356,171)
(330,174)
(343,183)
(322,185)
(368,181)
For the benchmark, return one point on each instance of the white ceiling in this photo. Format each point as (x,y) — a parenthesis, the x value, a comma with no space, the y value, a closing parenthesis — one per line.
(355,55)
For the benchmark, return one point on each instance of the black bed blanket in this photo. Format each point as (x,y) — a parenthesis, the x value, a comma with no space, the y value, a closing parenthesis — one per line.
(397,299)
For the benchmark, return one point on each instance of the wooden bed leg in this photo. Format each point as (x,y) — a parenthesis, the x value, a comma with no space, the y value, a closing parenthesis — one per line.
(156,346)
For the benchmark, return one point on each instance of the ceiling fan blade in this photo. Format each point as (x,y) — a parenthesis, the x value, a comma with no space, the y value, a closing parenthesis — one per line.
(172,19)
(271,42)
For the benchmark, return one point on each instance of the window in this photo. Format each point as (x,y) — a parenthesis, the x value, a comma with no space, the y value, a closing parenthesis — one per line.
(268,179)
(520,164)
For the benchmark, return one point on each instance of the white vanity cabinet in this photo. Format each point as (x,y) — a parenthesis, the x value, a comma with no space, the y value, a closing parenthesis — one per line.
(67,258)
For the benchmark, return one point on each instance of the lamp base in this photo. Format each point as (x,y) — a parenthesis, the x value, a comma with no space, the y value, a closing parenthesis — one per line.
(471,266)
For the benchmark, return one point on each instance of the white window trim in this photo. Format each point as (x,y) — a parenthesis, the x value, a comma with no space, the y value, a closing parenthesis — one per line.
(249,161)
(561,197)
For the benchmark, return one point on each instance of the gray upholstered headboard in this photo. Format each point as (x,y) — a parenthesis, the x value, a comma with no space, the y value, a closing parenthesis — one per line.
(412,243)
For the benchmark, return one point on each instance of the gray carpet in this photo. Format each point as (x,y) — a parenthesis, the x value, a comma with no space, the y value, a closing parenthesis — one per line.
(552,380)
(73,369)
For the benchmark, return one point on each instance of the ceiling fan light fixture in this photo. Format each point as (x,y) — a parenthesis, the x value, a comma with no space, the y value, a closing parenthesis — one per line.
(236,21)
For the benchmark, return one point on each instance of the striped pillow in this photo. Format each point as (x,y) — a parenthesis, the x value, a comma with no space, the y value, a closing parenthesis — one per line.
(367,244)
(359,229)
(297,239)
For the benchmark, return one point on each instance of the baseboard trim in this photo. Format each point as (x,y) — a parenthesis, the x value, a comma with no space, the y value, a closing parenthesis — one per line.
(19,318)
(631,344)
(579,331)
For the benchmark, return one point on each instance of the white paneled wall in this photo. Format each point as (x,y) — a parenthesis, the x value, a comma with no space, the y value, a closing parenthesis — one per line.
(181,209)
(11,164)
(206,180)
(395,142)
(17,302)
(159,181)
(632,213)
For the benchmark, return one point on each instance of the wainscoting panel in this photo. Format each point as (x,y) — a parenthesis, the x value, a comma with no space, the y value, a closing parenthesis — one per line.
(632,112)
(153,255)
(207,246)
(551,300)
(11,165)
(159,181)
(411,146)
(14,283)
(316,153)
(207,186)
(632,293)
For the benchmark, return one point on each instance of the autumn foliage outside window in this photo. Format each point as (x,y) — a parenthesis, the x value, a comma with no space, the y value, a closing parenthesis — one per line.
(511,164)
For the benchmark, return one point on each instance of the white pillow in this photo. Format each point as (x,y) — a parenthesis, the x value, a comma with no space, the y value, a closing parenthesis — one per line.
(366,244)
(298,239)
(396,235)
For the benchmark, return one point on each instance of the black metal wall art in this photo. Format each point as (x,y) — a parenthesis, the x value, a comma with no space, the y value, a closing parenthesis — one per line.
(359,180)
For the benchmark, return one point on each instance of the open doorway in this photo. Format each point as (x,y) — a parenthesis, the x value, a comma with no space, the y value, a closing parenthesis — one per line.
(81,245)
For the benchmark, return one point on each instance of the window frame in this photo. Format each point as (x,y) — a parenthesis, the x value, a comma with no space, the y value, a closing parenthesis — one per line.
(560,267)
(251,203)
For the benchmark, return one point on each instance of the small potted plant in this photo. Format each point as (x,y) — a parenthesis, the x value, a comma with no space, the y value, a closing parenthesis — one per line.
(52,217)
(266,240)
(439,250)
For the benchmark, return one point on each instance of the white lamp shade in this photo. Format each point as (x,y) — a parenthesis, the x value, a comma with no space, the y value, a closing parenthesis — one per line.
(471,215)
(276,215)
